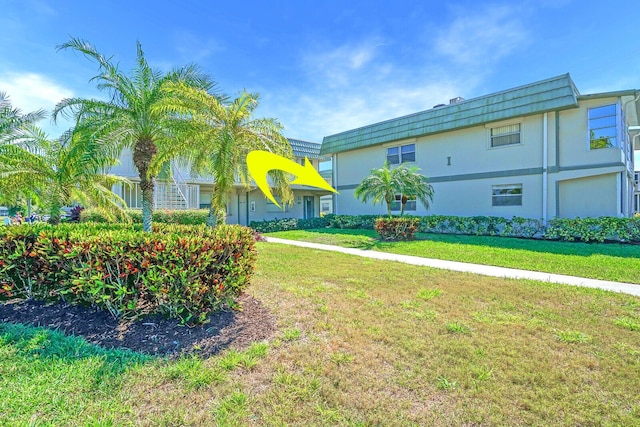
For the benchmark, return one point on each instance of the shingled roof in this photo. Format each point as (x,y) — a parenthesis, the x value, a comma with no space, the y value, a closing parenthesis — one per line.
(557,93)
(305,148)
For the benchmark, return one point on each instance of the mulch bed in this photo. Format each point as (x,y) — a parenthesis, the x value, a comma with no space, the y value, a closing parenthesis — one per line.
(153,335)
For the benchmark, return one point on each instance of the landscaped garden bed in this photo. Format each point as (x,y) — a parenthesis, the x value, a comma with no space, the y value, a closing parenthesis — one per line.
(178,271)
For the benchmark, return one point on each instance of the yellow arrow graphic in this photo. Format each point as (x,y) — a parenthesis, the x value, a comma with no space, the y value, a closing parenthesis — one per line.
(260,163)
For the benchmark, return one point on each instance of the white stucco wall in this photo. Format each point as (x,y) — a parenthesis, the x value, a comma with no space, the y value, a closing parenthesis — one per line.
(462,167)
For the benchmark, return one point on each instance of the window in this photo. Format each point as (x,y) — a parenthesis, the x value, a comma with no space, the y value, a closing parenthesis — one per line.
(506,195)
(603,132)
(401,154)
(396,205)
(505,135)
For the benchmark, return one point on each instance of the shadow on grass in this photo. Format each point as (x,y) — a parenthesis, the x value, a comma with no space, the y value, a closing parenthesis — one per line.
(542,246)
(40,344)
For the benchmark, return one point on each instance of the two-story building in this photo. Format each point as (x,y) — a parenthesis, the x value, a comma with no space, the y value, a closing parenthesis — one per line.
(180,190)
(540,151)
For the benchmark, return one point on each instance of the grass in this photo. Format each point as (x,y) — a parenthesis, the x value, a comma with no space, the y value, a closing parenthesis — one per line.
(604,261)
(351,350)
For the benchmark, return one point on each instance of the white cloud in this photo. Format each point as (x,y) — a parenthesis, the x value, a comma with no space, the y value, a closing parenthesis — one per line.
(193,48)
(357,84)
(31,91)
(319,113)
(344,64)
(476,37)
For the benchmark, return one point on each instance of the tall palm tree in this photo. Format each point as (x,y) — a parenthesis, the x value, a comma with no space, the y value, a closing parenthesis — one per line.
(228,132)
(129,118)
(383,184)
(57,173)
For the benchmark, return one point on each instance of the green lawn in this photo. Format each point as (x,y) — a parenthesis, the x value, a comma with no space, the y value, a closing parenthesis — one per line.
(603,261)
(361,342)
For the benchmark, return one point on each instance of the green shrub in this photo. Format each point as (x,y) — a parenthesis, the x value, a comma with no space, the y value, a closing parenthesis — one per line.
(481,225)
(165,216)
(397,228)
(568,229)
(270,226)
(178,271)
(364,222)
(594,229)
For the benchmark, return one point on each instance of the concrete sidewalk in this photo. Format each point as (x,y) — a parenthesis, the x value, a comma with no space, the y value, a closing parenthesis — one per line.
(485,270)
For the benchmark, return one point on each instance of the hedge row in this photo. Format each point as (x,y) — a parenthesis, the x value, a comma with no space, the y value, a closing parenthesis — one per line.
(184,272)
(574,229)
(164,216)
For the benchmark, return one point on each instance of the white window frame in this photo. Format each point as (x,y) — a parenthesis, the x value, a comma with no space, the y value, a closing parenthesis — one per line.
(400,154)
(496,126)
(616,126)
(495,197)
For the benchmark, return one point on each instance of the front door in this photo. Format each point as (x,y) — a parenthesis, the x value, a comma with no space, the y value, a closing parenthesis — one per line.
(308,207)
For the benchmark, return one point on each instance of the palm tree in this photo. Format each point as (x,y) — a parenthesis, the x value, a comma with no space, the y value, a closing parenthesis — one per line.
(12,121)
(57,173)
(414,185)
(129,119)
(228,132)
(12,128)
(383,184)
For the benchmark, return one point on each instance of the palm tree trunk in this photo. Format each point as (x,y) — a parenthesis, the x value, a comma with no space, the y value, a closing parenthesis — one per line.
(218,209)
(147,186)
(143,153)
(216,216)
(54,213)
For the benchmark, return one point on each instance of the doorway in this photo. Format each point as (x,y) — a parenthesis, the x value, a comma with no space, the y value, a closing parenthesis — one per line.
(308,203)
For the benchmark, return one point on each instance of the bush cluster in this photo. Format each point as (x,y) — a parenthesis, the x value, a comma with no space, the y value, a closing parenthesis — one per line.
(594,229)
(270,226)
(481,226)
(401,228)
(567,229)
(164,216)
(179,271)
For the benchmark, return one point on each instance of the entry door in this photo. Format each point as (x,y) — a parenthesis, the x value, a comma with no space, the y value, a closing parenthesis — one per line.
(308,207)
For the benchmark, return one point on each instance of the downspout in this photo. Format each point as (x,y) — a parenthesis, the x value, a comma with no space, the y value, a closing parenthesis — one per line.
(247,200)
(545,149)
(239,208)
(334,182)
(630,194)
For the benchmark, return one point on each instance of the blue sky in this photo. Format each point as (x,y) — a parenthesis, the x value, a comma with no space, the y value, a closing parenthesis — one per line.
(323,67)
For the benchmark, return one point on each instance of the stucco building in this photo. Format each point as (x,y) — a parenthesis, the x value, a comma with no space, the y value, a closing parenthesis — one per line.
(540,151)
(182,191)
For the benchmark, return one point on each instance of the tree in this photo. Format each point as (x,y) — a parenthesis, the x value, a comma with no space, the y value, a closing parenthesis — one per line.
(227,133)
(129,119)
(57,173)
(12,121)
(385,183)
(414,185)
(12,129)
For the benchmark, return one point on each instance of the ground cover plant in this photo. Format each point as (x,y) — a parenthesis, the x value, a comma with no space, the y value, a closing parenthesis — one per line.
(360,342)
(616,262)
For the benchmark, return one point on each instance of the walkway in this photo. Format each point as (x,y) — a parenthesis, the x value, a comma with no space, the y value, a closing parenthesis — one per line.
(485,270)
